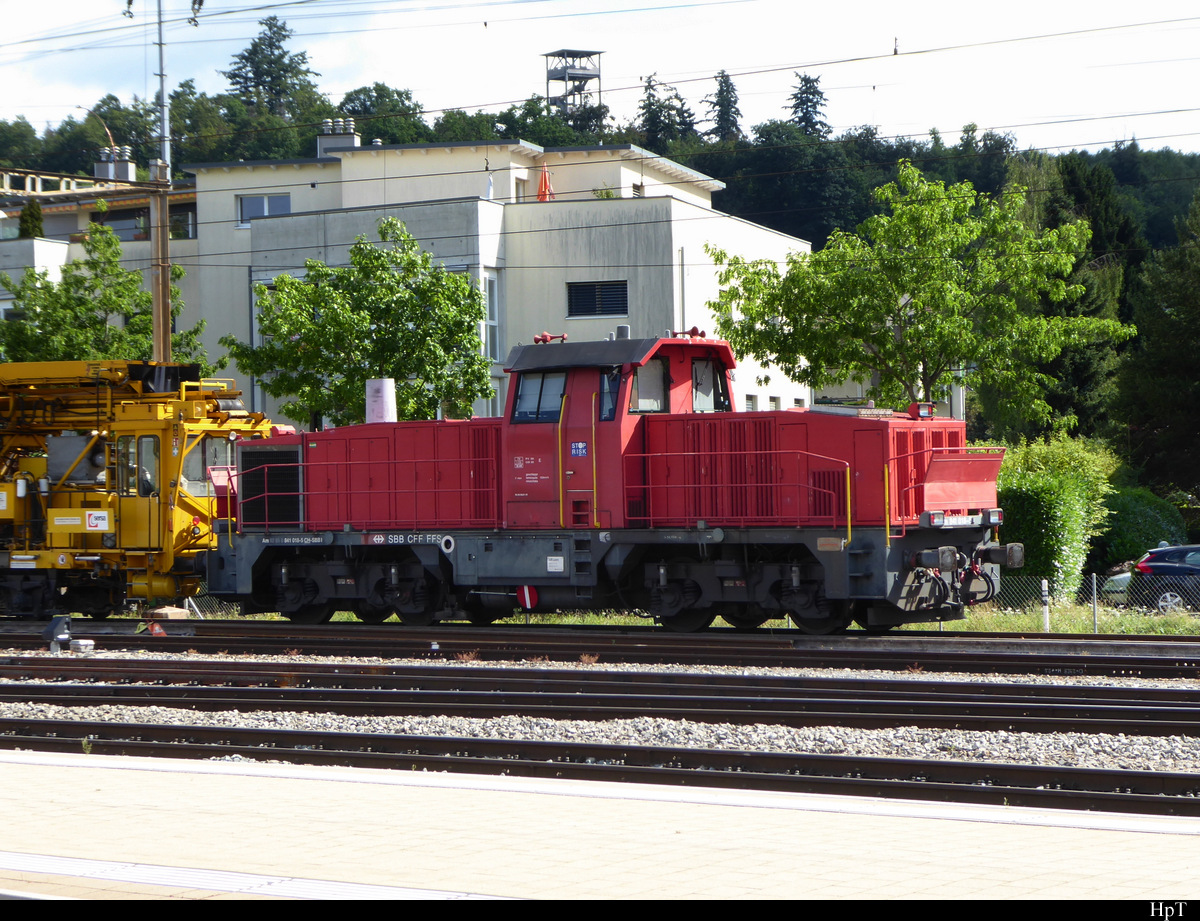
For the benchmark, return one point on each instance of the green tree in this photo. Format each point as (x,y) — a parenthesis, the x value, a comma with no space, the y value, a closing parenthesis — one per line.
(663,116)
(531,121)
(943,285)
(30,223)
(389,114)
(97,310)
(266,76)
(1160,388)
(19,144)
(723,110)
(807,105)
(457,125)
(1083,387)
(391,313)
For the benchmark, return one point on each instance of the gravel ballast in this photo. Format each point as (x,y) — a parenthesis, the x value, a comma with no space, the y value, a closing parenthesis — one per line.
(1122,752)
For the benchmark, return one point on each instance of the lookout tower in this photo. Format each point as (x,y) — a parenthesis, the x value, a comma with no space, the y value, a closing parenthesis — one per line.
(575,70)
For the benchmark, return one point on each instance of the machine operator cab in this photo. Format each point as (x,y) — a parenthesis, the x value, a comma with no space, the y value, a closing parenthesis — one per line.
(575,413)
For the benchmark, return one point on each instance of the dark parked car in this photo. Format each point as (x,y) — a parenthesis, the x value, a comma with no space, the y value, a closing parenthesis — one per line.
(1167,579)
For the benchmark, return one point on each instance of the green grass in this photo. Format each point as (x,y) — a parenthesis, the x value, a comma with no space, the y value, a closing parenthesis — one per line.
(990,618)
(1070,619)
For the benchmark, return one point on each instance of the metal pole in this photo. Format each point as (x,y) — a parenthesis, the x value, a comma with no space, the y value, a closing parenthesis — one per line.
(1045,606)
(164,105)
(160,270)
(160,170)
(1095,607)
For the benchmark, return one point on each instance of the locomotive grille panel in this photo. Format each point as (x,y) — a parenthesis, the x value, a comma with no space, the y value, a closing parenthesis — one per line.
(270,488)
(828,493)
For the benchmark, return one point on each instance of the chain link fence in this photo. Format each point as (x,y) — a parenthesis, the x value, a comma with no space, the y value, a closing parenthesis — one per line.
(1123,591)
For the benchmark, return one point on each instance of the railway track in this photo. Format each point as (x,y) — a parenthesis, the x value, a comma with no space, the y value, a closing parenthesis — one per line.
(1141,792)
(576,695)
(436,687)
(1150,657)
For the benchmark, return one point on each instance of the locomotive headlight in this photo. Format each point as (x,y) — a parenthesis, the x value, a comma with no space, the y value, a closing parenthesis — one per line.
(993,517)
(933,519)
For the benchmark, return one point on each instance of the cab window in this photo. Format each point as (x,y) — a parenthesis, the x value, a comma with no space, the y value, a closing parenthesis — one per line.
(539,396)
(710,393)
(649,392)
(211,452)
(137,465)
(610,383)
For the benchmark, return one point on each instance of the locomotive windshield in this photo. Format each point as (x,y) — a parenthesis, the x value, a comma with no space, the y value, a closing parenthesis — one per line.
(709,391)
(649,391)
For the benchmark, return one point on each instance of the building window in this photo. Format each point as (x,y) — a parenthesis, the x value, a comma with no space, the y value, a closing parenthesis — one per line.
(798,402)
(598,299)
(519,190)
(489,329)
(639,190)
(252,206)
(751,403)
(773,404)
(129,224)
(183,222)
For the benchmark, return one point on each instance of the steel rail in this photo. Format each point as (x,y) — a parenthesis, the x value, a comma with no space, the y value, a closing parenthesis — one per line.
(1140,792)
(860,708)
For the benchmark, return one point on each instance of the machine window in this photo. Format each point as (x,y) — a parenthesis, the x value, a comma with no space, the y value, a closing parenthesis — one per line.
(137,465)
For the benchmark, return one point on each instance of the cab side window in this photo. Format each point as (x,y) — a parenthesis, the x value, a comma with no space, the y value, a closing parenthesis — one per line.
(610,384)
(539,396)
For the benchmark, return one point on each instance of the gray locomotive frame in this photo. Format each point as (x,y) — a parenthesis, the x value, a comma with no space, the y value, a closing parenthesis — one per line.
(665,572)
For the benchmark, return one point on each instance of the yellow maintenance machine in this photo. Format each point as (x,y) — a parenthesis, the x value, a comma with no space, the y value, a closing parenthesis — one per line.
(112,480)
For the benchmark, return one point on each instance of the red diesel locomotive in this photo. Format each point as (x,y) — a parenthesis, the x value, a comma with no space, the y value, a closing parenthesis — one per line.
(620,477)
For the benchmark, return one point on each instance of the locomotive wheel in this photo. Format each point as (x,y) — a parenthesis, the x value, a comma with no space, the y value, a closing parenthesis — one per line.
(872,628)
(372,613)
(835,621)
(312,614)
(688,621)
(745,618)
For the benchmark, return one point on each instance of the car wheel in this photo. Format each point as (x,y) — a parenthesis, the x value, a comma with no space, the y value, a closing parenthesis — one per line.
(1170,602)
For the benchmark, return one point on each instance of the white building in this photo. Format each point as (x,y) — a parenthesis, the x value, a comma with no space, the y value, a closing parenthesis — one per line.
(622,241)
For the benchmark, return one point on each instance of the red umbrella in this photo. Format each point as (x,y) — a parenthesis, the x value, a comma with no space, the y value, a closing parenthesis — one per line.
(545,192)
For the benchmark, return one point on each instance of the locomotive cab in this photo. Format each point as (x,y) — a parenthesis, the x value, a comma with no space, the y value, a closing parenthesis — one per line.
(573,404)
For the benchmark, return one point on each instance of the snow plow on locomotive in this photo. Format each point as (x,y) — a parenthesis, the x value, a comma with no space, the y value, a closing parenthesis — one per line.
(619,477)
